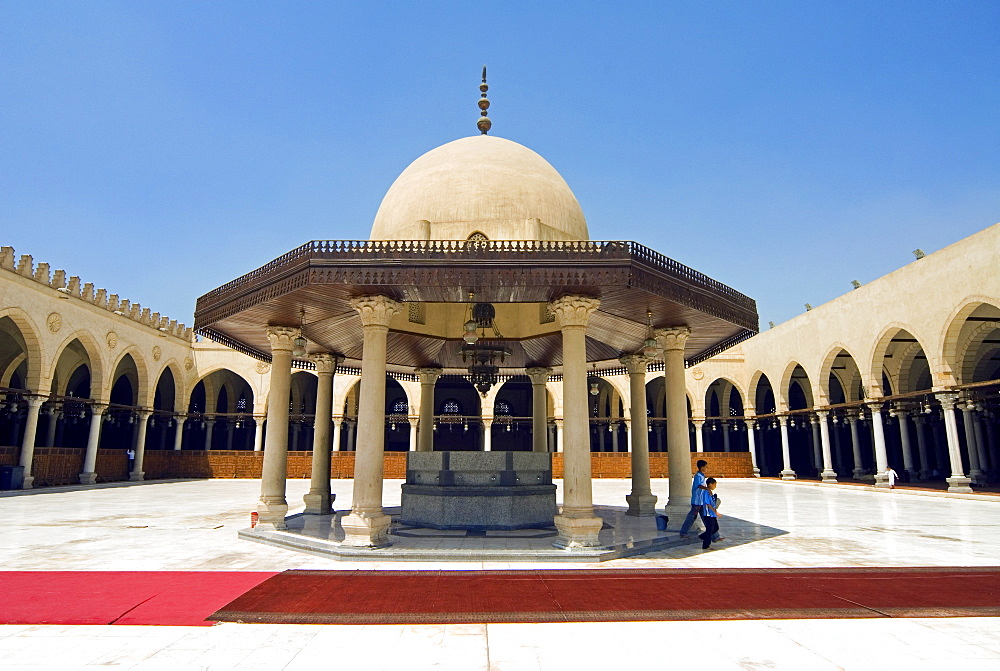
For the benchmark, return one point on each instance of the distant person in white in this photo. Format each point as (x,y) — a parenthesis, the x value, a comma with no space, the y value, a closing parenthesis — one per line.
(891,475)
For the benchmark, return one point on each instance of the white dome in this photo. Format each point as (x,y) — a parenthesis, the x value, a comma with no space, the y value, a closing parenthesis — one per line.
(482,184)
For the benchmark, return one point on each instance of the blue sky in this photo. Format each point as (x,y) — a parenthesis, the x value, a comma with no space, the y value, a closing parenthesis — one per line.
(160,149)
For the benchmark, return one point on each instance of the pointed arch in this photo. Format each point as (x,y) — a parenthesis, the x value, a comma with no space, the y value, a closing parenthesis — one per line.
(96,363)
(34,349)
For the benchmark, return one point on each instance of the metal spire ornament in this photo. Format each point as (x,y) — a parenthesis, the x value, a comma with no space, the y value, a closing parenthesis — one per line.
(484,124)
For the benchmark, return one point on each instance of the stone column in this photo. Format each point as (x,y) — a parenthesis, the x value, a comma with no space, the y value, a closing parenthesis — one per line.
(50,430)
(786,457)
(367,525)
(899,412)
(578,526)
(140,446)
(258,433)
(428,378)
(878,436)
(981,445)
(918,425)
(487,434)
(209,427)
(628,435)
(272,506)
(352,424)
(414,427)
(539,407)
(89,474)
(672,341)
(559,434)
(337,423)
(828,474)
(752,446)
(319,499)
(699,437)
(957,482)
(816,444)
(859,466)
(976,474)
(28,442)
(641,502)
(179,433)
(725,436)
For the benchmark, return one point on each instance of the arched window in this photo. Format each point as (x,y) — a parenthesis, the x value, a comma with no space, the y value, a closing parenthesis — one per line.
(478,237)
(451,407)
(400,407)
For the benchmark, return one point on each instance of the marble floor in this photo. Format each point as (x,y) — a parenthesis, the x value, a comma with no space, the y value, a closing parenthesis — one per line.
(192,525)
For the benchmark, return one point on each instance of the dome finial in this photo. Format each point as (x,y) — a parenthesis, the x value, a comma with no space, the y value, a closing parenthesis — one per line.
(484,124)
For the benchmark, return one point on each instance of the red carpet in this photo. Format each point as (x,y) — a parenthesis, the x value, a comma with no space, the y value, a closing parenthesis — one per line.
(119,597)
(419,597)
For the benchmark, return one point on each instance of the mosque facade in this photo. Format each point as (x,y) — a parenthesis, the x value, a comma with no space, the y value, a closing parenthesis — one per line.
(483,318)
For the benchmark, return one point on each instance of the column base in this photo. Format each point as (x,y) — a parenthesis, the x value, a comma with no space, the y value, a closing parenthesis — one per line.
(318,503)
(28,483)
(756,472)
(577,532)
(88,478)
(858,473)
(136,476)
(829,476)
(641,505)
(366,530)
(925,474)
(959,485)
(912,472)
(271,515)
(882,481)
(977,477)
(787,474)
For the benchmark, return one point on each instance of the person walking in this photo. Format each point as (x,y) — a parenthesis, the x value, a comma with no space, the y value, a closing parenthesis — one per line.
(697,486)
(709,515)
(891,476)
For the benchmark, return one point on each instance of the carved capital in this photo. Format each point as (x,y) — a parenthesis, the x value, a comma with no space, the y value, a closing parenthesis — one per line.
(574,310)
(376,310)
(635,364)
(672,338)
(821,415)
(283,337)
(875,407)
(428,375)
(947,399)
(326,363)
(538,375)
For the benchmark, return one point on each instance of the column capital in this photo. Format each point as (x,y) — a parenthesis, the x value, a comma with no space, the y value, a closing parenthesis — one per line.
(326,363)
(635,364)
(98,409)
(376,310)
(672,338)
(783,420)
(428,375)
(143,414)
(35,401)
(283,337)
(538,375)
(875,406)
(573,310)
(821,415)
(947,399)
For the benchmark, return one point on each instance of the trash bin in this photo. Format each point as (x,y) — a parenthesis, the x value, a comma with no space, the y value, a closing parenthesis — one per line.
(11,477)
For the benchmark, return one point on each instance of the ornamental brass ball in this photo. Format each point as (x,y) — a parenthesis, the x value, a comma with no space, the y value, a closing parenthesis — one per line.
(484,104)
(484,124)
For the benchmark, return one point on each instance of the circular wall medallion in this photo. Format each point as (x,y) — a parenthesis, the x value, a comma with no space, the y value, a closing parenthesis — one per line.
(157,353)
(697,373)
(188,364)
(112,340)
(263,367)
(54,322)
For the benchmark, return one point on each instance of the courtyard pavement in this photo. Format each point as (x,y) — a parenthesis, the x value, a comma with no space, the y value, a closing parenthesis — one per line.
(192,525)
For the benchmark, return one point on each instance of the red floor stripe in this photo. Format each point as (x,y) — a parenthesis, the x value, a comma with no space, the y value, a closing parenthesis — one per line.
(374,597)
(119,597)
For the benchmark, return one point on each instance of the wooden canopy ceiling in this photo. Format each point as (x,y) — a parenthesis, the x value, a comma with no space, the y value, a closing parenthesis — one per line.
(314,284)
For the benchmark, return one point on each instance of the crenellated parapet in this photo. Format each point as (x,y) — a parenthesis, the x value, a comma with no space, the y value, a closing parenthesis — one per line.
(72,287)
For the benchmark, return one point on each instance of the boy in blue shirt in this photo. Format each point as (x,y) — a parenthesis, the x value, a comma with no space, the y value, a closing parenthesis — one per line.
(697,489)
(709,515)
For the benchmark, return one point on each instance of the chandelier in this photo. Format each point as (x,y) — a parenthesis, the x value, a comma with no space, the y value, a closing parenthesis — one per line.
(483,355)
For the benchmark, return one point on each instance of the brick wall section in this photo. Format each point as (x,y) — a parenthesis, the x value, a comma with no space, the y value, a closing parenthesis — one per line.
(241,464)
(62,465)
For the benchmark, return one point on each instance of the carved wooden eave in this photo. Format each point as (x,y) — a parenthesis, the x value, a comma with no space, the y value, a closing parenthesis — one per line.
(320,277)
